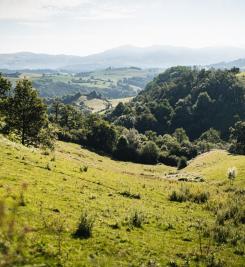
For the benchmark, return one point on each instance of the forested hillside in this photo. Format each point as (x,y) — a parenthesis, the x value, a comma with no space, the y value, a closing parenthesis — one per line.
(185,97)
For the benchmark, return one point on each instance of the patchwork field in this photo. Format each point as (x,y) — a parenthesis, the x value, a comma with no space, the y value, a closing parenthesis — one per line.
(111,83)
(135,223)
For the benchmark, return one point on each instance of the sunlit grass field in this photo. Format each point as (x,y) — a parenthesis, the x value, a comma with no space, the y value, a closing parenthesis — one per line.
(55,190)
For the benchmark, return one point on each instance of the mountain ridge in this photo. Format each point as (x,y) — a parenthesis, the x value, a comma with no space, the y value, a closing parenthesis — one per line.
(157,56)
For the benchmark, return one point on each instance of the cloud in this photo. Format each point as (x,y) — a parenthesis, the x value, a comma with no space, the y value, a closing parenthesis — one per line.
(31,10)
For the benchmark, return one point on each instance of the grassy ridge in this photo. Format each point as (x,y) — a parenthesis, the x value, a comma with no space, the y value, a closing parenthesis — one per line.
(58,192)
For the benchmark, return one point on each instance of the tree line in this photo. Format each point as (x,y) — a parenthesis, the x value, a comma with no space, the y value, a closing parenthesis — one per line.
(189,98)
(25,118)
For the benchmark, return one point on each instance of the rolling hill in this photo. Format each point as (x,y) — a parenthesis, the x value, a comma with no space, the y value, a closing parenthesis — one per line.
(239,63)
(45,194)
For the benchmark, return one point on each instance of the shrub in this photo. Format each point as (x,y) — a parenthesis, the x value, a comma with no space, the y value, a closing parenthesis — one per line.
(182,163)
(233,210)
(170,160)
(149,153)
(184,194)
(220,234)
(136,219)
(200,197)
(180,196)
(130,195)
(85,226)
(83,168)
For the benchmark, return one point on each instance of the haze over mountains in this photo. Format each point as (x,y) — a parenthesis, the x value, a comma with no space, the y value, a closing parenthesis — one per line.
(124,56)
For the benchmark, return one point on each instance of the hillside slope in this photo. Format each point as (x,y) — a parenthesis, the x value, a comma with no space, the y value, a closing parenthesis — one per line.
(58,191)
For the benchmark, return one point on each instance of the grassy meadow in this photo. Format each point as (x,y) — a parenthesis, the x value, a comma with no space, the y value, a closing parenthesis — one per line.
(133,221)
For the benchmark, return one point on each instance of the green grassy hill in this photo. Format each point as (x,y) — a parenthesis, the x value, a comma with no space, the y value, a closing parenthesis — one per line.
(111,82)
(52,190)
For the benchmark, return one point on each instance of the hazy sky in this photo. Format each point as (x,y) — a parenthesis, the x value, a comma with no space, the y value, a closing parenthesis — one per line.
(82,27)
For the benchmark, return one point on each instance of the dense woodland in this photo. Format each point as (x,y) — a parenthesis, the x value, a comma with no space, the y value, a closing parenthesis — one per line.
(183,112)
(183,97)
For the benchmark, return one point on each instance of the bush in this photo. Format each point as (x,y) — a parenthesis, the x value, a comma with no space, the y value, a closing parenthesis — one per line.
(85,226)
(200,197)
(182,163)
(170,160)
(221,234)
(84,168)
(178,196)
(130,195)
(233,210)
(184,194)
(136,219)
(149,153)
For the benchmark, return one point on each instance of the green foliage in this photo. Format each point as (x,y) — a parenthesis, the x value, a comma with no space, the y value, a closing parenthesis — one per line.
(182,163)
(85,226)
(5,87)
(238,138)
(136,219)
(84,168)
(181,135)
(63,191)
(26,114)
(149,152)
(128,194)
(211,136)
(184,194)
(190,98)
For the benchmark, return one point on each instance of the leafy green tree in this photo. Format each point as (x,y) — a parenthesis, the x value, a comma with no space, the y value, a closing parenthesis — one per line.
(101,135)
(69,117)
(238,138)
(211,136)
(145,122)
(122,148)
(26,114)
(5,87)
(181,135)
(182,163)
(149,152)
(56,108)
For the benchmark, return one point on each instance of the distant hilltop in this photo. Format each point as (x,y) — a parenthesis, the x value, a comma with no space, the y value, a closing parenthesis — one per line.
(127,56)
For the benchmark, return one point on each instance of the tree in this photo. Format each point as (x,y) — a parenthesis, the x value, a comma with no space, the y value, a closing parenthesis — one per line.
(182,163)
(26,113)
(101,135)
(181,135)
(122,148)
(238,138)
(211,136)
(5,87)
(70,117)
(149,152)
(56,107)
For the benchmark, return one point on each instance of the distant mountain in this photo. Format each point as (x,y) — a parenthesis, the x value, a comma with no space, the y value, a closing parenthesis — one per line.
(239,63)
(148,57)
(27,60)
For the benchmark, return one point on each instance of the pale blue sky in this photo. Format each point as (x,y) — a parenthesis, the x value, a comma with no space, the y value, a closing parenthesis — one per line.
(81,27)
